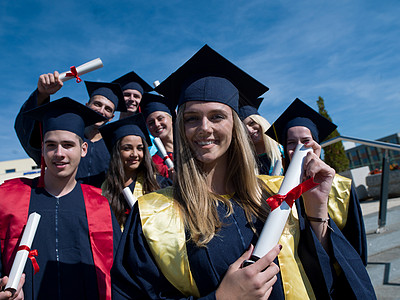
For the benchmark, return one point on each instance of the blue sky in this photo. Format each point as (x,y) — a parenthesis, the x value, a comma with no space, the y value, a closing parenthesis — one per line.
(348,52)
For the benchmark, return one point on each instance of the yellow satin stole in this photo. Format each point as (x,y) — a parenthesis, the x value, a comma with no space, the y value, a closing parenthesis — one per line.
(164,230)
(296,285)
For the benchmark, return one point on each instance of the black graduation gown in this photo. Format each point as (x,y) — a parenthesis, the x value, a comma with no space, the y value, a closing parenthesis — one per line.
(264,164)
(65,258)
(92,168)
(135,274)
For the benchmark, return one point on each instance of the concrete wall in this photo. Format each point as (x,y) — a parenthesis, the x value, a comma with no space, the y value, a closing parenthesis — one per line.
(358,176)
(374,184)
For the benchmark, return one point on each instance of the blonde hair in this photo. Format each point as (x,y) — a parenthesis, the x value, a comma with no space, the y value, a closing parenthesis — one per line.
(197,203)
(270,145)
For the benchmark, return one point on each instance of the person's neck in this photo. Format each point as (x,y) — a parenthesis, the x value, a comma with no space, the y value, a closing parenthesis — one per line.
(59,186)
(216,179)
(92,133)
(129,178)
(168,143)
(260,148)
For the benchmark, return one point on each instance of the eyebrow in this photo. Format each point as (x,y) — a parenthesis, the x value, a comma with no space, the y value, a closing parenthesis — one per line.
(217,110)
(64,141)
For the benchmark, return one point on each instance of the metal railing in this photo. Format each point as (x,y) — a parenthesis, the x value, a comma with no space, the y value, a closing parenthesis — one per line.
(385,171)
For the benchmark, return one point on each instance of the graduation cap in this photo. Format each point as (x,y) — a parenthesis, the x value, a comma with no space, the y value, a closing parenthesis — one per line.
(133,125)
(111,91)
(248,108)
(132,81)
(300,114)
(208,76)
(65,114)
(152,102)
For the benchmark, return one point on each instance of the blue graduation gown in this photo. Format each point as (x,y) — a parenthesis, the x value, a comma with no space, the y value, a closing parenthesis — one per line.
(92,168)
(354,231)
(67,269)
(135,274)
(264,164)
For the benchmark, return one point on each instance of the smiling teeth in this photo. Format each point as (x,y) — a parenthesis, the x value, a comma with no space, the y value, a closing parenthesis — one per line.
(205,143)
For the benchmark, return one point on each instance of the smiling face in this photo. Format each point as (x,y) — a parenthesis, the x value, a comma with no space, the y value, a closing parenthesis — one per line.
(297,135)
(103,106)
(62,152)
(254,130)
(208,129)
(132,100)
(132,152)
(159,124)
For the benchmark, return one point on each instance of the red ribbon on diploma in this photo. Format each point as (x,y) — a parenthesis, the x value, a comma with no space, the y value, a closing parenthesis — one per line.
(166,157)
(74,73)
(292,195)
(31,255)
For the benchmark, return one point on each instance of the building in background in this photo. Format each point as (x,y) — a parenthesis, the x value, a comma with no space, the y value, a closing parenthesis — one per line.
(18,168)
(361,156)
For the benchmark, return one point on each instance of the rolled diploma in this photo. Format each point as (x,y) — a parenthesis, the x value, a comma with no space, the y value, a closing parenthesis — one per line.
(277,168)
(83,69)
(161,148)
(22,255)
(273,227)
(129,196)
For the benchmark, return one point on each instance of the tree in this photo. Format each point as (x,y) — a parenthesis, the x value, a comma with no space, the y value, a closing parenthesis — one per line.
(334,155)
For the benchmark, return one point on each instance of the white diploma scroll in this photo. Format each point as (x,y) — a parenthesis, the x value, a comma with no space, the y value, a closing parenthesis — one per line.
(83,69)
(22,255)
(129,196)
(277,171)
(273,227)
(161,148)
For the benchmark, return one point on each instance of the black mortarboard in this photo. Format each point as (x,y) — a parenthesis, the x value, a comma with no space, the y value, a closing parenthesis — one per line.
(111,91)
(208,76)
(132,81)
(248,108)
(133,125)
(300,114)
(152,102)
(65,114)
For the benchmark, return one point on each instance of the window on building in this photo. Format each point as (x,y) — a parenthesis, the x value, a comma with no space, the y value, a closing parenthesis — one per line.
(374,154)
(354,158)
(364,156)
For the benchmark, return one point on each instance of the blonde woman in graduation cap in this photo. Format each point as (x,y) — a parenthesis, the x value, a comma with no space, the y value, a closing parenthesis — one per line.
(189,241)
(269,156)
